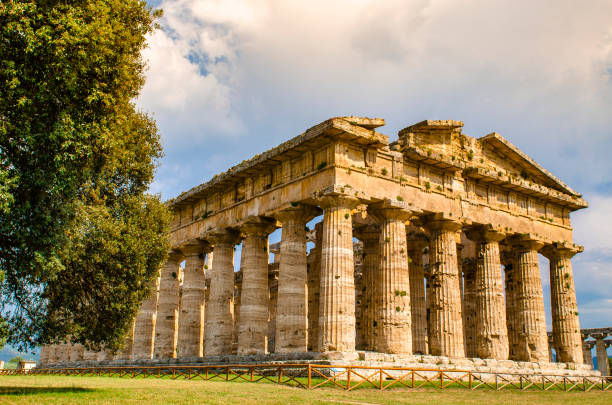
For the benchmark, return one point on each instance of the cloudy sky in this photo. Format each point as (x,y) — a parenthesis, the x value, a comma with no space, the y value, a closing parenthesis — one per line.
(229,79)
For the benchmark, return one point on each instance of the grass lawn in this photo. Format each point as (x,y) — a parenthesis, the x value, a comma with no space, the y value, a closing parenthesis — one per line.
(102,390)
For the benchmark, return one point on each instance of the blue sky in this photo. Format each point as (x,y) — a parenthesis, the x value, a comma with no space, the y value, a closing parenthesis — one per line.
(229,79)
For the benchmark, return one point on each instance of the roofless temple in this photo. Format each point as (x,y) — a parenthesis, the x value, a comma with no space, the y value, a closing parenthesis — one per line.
(425,248)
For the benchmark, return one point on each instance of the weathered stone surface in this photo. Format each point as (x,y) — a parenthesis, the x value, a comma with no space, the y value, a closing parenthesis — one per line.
(144,329)
(491,329)
(531,321)
(191,318)
(337,288)
(564,308)
(254,301)
(602,355)
(416,242)
(166,326)
(392,311)
(446,324)
(219,319)
(469,307)
(370,237)
(292,309)
(314,288)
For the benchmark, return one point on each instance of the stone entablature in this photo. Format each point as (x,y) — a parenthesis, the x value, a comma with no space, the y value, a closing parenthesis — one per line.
(436,205)
(341,155)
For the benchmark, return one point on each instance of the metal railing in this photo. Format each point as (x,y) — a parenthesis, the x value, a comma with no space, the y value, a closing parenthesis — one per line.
(311,376)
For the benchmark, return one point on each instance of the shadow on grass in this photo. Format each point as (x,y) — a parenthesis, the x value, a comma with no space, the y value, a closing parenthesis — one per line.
(43,390)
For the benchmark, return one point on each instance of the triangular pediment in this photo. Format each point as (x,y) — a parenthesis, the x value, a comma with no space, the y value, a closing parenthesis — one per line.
(510,160)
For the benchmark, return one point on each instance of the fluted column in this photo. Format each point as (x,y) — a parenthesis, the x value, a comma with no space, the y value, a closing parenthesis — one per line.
(587,356)
(445,305)
(531,321)
(254,299)
(128,344)
(469,307)
(492,332)
(292,306)
(191,319)
(564,308)
(166,326)
(43,355)
(314,284)
(509,263)
(416,242)
(144,330)
(392,311)
(76,352)
(219,317)
(337,287)
(602,355)
(370,236)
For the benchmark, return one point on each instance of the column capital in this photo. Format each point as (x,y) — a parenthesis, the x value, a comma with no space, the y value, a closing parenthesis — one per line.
(392,210)
(485,233)
(561,250)
(367,233)
(223,237)
(442,225)
(338,201)
(525,242)
(298,213)
(193,247)
(175,255)
(258,226)
(416,238)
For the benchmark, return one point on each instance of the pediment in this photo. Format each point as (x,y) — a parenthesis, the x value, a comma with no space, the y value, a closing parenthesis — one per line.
(510,161)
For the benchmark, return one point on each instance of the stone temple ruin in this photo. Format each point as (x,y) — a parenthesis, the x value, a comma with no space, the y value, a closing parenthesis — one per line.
(437,215)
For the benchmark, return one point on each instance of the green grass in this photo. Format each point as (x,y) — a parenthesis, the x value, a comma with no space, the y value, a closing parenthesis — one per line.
(103,390)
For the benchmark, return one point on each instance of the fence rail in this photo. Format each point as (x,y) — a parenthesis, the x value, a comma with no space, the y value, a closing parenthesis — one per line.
(312,376)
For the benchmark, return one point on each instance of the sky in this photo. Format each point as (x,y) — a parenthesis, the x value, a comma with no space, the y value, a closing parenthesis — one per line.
(229,79)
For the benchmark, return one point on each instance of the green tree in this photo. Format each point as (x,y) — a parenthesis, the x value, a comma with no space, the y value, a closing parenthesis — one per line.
(16,359)
(80,239)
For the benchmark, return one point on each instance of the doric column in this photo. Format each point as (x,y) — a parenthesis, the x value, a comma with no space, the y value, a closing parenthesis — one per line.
(531,321)
(273,289)
(392,312)
(90,355)
(564,308)
(446,334)
(587,345)
(237,304)
(337,287)
(509,263)
(469,307)
(128,344)
(492,332)
(144,330)
(219,317)
(369,236)
(191,319)
(76,352)
(314,284)
(416,241)
(292,306)
(254,295)
(166,326)
(602,355)
(43,355)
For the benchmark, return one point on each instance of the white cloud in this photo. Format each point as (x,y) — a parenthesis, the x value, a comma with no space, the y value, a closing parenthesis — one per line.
(593,226)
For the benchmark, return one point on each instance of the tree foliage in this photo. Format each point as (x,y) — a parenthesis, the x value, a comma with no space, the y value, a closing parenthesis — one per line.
(80,240)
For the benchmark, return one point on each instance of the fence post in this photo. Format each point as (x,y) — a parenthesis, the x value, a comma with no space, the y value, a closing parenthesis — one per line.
(309,375)
(348,379)
(381,379)
(280,374)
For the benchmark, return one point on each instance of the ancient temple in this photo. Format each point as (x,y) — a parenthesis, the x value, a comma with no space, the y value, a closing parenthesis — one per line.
(427,245)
